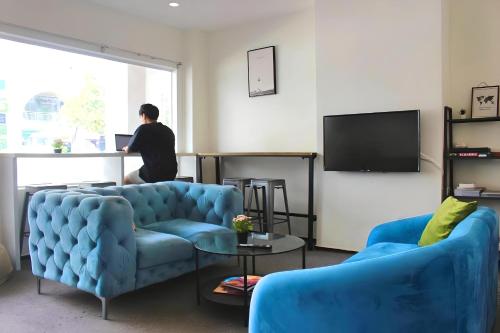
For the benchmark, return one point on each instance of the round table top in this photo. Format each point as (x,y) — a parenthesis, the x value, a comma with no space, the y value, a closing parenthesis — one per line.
(226,243)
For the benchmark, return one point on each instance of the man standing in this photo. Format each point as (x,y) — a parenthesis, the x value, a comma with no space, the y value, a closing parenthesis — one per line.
(156,144)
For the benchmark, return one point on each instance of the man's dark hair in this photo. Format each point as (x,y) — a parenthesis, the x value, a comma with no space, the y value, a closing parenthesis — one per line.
(150,111)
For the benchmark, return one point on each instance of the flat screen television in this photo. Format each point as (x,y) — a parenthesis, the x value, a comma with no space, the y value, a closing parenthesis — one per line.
(378,142)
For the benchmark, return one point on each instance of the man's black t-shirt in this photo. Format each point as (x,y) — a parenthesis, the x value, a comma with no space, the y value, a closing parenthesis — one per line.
(156,143)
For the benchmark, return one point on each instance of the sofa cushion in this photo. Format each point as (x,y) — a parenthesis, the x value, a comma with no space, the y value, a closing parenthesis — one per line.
(380,250)
(448,215)
(184,228)
(156,248)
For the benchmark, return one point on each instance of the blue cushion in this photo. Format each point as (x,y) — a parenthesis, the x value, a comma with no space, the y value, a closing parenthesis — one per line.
(381,249)
(156,248)
(184,228)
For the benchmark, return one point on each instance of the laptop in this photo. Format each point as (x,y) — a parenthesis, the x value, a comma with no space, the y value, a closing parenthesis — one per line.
(121,141)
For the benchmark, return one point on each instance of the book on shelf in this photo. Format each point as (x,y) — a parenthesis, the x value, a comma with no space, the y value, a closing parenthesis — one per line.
(467,186)
(469,154)
(471,150)
(468,192)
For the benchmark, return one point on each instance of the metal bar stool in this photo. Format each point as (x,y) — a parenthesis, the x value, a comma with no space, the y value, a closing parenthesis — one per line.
(268,185)
(242,184)
(30,190)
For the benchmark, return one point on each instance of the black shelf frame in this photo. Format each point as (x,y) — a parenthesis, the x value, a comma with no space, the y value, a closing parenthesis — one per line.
(474,158)
(475,198)
(474,120)
(448,161)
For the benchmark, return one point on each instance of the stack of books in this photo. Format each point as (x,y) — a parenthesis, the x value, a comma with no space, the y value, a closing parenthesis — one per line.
(468,190)
(470,152)
(234,285)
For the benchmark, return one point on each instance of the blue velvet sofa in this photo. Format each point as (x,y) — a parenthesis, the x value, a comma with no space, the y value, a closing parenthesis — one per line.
(392,285)
(85,238)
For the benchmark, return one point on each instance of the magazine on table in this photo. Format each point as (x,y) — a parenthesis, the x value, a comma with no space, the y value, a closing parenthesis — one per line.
(234,285)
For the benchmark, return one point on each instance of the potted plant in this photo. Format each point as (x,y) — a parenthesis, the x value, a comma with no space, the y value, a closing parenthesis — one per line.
(58,145)
(242,224)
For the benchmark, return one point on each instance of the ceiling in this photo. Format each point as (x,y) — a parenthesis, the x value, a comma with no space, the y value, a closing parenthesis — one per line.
(206,14)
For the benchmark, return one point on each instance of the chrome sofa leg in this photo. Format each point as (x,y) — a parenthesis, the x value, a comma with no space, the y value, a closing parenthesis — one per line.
(104,307)
(38,285)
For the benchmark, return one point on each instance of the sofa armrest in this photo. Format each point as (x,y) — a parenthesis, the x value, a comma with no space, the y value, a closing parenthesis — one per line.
(406,230)
(83,240)
(412,293)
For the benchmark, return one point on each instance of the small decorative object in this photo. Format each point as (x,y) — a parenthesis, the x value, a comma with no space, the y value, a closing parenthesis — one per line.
(484,102)
(242,225)
(261,72)
(58,145)
(463,114)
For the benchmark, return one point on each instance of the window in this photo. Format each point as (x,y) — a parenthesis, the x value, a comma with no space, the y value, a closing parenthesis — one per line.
(48,94)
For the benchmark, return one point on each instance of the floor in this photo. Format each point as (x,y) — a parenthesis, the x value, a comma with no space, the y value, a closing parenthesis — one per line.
(166,307)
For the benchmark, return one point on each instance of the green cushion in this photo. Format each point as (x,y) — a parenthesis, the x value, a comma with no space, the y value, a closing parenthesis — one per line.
(448,215)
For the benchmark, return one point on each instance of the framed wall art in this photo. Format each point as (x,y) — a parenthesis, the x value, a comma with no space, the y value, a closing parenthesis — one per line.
(261,72)
(484,102)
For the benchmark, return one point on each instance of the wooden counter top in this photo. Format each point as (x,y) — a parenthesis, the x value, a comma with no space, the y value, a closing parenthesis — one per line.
(259,154)
(70,155)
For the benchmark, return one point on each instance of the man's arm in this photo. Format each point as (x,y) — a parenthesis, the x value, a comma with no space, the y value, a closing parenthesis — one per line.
(134,145)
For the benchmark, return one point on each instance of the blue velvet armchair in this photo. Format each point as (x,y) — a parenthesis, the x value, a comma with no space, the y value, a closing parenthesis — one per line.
(393,285)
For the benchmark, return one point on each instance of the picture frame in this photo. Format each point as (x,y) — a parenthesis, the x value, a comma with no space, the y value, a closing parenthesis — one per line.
(484,102)
(261,71)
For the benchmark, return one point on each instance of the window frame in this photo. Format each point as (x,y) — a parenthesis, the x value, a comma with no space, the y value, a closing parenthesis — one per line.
(77,46)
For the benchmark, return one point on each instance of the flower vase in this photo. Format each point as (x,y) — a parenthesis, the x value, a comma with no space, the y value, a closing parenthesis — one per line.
(242,237)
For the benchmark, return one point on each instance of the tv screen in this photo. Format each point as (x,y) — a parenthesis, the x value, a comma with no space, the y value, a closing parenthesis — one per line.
(382,141)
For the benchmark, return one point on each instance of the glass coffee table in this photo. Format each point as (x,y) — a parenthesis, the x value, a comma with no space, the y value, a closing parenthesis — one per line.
(227,244)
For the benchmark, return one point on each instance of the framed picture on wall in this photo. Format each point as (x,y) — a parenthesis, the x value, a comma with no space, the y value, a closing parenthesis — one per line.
(484,102)
(261,72)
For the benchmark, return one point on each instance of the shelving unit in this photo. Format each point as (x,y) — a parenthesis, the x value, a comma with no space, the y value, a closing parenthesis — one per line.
(448,161)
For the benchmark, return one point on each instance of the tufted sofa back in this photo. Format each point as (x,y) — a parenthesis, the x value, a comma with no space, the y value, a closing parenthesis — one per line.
(165,201)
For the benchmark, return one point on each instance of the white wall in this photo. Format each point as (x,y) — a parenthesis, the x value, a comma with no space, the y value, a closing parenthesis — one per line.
(378,56)
(282,122)
(196,109)
(474,58)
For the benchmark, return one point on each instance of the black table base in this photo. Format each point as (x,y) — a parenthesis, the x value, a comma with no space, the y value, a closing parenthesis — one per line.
(206,290)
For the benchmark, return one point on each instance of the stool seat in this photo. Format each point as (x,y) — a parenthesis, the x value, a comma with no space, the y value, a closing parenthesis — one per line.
(268,182)
(187,179)
(33,188)
(100,184)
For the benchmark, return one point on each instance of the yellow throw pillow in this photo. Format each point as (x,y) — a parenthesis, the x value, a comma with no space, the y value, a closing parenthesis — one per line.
(448,215)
